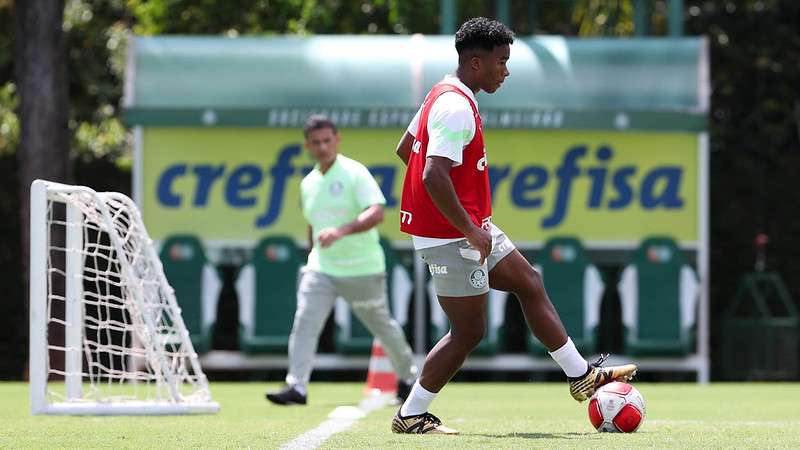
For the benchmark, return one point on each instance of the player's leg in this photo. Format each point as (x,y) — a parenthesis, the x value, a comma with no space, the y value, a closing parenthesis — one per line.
(467,317)
(315,299)
(509,271)
(514,274)
(462,287)
(367,298)
(468,325)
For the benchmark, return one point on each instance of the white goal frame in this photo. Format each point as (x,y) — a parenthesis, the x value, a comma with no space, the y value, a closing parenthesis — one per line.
(168,378)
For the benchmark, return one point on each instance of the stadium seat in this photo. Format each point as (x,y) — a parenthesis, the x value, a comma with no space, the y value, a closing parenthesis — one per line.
(496,306)
(658,294)
(352,337)
(267,291)
(576,289)
(197,286)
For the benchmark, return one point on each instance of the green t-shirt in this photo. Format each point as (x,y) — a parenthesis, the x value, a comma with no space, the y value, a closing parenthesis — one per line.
(334,199)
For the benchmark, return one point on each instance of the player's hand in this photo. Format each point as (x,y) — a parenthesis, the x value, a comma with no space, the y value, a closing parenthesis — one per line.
(328,236)
(480,240)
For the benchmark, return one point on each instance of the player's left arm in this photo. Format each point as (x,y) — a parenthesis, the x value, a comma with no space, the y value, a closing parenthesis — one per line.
(369,199)
(404,147)
(406,144)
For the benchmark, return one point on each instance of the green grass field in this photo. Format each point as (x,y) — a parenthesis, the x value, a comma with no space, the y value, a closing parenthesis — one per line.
(489,415)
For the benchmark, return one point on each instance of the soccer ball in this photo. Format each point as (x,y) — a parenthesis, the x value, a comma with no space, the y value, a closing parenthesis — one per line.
(616,408)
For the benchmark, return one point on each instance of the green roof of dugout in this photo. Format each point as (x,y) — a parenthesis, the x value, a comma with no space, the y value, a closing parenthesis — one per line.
(379,81)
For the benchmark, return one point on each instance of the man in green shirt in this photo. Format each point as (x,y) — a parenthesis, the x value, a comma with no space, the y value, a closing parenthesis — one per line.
(342,204)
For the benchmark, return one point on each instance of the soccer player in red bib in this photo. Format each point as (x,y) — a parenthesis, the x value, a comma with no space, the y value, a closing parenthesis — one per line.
(446,208)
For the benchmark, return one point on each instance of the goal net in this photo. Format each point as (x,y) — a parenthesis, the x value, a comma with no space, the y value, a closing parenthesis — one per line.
(106,333)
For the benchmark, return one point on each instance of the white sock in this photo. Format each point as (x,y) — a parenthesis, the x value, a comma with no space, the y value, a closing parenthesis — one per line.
(571,362)
(418,401)
(301,388)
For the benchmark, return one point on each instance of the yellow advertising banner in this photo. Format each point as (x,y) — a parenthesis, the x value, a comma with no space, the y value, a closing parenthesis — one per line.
(241,184)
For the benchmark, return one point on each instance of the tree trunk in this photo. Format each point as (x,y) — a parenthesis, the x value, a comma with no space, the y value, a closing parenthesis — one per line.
(40,69)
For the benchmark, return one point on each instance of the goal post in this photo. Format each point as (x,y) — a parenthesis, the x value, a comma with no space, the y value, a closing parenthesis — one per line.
(106,332)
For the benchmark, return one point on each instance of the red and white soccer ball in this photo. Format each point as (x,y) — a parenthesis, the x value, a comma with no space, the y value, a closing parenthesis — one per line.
(616,408)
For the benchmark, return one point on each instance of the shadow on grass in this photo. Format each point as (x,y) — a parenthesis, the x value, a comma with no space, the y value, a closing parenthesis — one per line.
(537,435)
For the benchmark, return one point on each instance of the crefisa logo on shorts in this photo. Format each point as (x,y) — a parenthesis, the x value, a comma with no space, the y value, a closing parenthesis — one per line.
(437,269)
(478,278)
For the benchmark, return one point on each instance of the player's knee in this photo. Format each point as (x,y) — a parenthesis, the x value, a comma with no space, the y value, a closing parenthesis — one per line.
(306,325)
(533,287)
(470,338)
(477,336)
(536,280)
(372,306)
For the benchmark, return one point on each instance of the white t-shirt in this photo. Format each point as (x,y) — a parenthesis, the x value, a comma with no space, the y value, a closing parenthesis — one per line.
(451,127)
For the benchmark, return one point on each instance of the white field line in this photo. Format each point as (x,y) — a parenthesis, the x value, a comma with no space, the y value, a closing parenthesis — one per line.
(341,419)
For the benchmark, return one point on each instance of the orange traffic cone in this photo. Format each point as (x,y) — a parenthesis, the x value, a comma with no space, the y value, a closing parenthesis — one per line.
(381,378)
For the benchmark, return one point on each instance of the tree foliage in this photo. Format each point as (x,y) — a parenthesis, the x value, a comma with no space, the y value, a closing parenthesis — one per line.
(755,138)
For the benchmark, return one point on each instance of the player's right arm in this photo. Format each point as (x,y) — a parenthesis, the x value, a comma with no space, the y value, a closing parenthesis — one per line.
(436,178)
(406,144)
(404,147)
(451,126)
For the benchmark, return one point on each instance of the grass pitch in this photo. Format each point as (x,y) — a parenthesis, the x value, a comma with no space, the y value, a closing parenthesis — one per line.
(489,415)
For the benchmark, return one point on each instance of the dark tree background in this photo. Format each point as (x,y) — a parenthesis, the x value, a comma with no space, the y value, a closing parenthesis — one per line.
(755,141)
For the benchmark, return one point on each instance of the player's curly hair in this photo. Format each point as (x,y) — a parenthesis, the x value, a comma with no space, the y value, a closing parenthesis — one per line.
(481,32)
